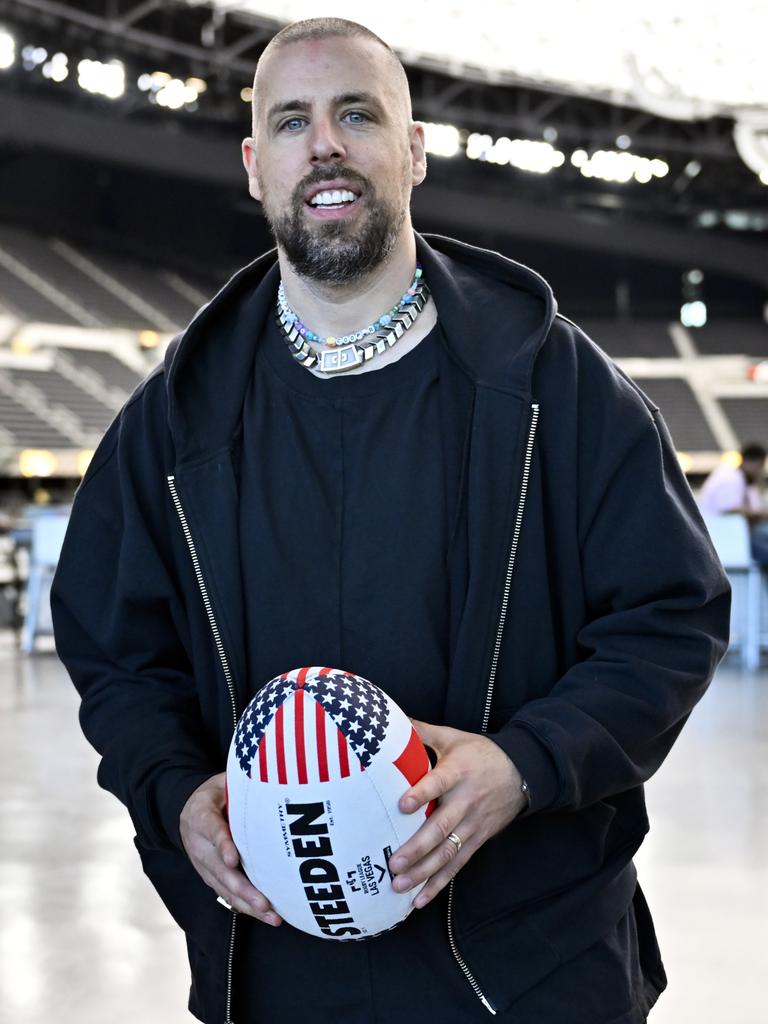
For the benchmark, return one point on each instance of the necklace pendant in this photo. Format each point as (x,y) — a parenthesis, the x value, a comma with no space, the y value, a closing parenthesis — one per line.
(338,360)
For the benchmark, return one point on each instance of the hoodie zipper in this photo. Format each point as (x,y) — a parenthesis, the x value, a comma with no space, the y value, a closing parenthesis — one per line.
(511,564)
(230,687)
(492,680)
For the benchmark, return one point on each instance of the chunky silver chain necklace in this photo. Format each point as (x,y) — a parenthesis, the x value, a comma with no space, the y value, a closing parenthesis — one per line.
(339,358)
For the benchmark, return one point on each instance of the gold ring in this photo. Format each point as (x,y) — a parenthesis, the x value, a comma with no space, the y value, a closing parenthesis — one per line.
(453,838)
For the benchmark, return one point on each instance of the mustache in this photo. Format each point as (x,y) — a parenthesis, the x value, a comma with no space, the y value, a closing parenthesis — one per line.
(321,174)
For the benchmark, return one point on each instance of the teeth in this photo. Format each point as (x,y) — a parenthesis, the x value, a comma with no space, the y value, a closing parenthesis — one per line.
(333,198)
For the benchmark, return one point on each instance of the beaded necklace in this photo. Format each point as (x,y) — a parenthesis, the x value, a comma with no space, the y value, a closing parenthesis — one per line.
(347,339)
(346,352)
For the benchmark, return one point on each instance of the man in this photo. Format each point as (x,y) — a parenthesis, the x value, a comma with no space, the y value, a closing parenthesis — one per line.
(735,490)
(480,514)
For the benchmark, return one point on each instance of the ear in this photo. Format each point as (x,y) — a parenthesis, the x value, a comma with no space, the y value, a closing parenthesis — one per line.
(418,154)
(250,164)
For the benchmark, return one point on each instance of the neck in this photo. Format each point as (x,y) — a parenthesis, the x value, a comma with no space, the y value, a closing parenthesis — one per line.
(338,309)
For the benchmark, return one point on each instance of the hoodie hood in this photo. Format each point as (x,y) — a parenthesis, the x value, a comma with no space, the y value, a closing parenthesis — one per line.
(495,314)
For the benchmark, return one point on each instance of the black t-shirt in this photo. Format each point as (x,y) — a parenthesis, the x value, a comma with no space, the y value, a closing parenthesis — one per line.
(345,520)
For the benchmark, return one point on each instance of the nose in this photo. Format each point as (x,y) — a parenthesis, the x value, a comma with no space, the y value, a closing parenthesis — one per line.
(325,142)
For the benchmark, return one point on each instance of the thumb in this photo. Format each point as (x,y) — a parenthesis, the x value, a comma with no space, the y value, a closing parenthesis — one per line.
(430,735)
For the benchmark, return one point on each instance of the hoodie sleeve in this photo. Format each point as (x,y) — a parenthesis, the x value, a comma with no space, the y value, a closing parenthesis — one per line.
(657,620)
(119,626)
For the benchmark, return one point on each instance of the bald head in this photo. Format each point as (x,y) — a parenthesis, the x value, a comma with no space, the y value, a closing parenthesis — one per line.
(315,30)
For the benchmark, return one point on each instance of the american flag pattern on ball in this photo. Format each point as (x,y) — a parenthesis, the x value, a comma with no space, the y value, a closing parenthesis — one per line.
(321,734)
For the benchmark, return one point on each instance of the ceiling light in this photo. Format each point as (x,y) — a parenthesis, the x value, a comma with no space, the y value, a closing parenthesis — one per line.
(620,167)
(526,154)
(693,314)
(36,462)
(84,460)
(732,459)
(708,219)
(102,79)
(32,56)
(56,69)
(737,219)
(7,49)
(175,94)
(441,139)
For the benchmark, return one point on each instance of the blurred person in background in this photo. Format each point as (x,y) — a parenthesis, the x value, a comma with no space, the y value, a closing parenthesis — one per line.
(735,490)
(388,452)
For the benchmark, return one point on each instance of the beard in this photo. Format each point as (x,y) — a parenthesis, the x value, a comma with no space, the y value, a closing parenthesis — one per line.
(336,252)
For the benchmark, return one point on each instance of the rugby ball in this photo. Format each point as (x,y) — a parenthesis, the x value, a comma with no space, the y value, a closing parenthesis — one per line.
(315,770)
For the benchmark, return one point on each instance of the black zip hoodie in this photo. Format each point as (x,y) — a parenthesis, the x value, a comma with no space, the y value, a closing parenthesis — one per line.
(594,615)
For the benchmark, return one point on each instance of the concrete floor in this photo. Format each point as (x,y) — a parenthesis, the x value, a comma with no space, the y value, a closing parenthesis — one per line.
(84,939)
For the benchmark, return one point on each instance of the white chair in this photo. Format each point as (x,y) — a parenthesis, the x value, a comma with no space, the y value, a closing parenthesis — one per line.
(48,529)
(730,536)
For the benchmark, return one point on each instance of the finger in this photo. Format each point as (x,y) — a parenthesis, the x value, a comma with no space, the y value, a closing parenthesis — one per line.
(213,826)
(441,878)
(245,899)
(442,856)
(263,911)
(225,846)
(230,884)
(430,735)
(432,835)
(432,786)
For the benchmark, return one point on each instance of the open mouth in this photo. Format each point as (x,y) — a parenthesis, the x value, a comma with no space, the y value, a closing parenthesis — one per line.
(332,200)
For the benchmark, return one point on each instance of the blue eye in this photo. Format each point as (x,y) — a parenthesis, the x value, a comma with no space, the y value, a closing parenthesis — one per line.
(292,123)
(358,116)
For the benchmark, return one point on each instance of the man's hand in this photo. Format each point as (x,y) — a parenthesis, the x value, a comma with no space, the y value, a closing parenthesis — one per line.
(478,789)
(208,842)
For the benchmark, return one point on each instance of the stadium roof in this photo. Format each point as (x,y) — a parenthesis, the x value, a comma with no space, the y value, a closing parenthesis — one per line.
(679,59)
(556,121)
(684,58)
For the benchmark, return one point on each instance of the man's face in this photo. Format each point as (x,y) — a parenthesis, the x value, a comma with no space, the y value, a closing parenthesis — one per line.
(333,122)
(753,469)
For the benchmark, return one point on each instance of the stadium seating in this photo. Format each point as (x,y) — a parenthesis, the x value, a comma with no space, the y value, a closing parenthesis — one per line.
(23,300)
(23,428)
(61,394)
(681,411)
(623,339)
(54,281)
(66,396)
(106,368)
(732,337)
(749,418)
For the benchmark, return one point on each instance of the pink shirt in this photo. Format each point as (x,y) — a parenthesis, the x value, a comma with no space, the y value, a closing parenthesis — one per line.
(725,489)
